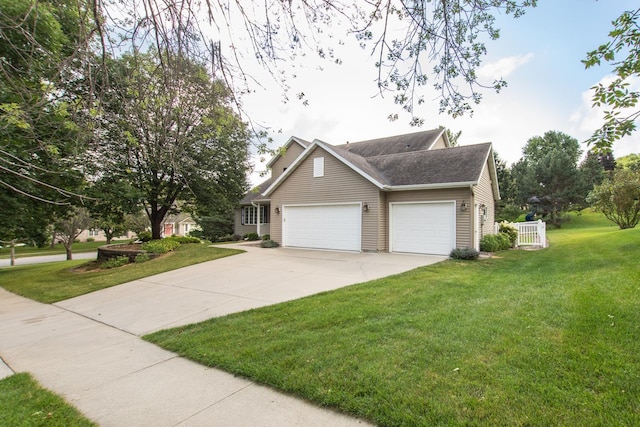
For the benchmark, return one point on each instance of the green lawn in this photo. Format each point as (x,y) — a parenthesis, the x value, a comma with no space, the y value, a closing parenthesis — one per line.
(28,251)
(58,281)
(534,338)
(24,403)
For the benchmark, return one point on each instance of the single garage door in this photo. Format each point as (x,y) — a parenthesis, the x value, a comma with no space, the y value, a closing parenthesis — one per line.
(423,228)
(335,227)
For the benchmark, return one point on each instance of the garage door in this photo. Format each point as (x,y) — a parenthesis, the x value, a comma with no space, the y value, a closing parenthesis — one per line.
(423,228)
(335,227)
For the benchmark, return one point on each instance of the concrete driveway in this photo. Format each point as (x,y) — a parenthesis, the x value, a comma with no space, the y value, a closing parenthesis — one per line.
(88,348)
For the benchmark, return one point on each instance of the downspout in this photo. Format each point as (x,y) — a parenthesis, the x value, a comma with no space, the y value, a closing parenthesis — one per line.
(257,218)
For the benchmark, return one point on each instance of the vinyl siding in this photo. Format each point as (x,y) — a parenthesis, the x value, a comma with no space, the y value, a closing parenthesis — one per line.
(463,218)
(439,144)
(244,229)
(338,185)
(284,161)
(484,196)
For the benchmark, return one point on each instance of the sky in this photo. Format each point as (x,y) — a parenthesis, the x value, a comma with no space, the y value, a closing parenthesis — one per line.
(538,54)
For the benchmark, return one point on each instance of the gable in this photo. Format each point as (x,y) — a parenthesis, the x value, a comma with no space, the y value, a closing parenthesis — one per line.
(337,183)
(286,155)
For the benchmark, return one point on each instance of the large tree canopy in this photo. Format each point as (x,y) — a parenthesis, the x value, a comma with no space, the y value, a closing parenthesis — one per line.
(171,133)
(39,141)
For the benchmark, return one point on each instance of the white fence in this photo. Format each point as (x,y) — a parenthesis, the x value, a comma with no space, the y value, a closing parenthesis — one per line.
(532,233)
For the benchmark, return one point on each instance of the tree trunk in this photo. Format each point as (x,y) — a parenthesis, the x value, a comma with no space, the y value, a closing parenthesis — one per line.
(156,227)
(69,254)
(13,252)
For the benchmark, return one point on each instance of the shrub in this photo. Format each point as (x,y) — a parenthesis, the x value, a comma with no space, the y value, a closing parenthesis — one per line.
(185,239)
(90,239)
(269,244)
(266,237)
(510,230)
(251,236)
(495,242)
(115,262)
(144,236)
(227,238)
(464,254)
(140,258)
(161,246)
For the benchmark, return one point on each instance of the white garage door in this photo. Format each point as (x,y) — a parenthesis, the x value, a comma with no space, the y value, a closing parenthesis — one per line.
(424,228)
(335,227)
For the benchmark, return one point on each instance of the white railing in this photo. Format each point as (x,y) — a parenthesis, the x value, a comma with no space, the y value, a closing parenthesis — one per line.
(532,233)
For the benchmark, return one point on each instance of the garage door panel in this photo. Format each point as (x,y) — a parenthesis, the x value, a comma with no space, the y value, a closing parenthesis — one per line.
(335,227)
(427,228)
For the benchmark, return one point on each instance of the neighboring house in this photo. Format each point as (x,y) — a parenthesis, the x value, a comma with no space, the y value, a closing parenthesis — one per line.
(98,235)
(178,225)
(408,193)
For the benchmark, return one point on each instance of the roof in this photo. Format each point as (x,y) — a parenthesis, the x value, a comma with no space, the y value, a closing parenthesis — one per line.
(417,141)
(255,194)
(407,162)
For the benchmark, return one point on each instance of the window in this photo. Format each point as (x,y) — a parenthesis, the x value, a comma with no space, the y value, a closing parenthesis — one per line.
(250,215)
(318,167)
(93,232)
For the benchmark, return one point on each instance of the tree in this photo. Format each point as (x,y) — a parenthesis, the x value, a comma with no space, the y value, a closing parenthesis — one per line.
(630,161)
(618,198)
(619,120)
(111,200)
(508,208)
(172,135)
(39,141)
(70,226)
(547,175)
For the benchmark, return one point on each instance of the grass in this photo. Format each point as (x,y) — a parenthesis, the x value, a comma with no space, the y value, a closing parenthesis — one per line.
(28,251)
(23,402)
(58,281)
(532,338)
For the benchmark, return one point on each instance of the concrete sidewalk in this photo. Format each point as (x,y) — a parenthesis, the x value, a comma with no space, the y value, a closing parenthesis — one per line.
(88,348)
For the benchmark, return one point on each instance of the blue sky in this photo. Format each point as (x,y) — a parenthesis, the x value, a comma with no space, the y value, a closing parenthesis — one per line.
(538,54)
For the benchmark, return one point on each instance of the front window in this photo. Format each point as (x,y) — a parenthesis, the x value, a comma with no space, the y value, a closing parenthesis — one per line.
(250,215)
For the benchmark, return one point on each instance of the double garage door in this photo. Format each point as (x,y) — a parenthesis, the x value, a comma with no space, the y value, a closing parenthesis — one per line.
(422,228)
(337,227)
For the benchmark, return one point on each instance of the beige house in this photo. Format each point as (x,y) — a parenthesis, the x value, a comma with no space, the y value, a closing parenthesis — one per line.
(410,193)
(180,224)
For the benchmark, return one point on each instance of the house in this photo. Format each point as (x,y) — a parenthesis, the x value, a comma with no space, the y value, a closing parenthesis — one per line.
(410,193)
(178,225)
(97,235)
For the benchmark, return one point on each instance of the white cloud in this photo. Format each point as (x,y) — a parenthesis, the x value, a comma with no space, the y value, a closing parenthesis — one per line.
(503,67)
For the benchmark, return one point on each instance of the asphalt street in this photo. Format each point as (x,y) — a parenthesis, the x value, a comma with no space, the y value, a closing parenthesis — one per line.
(46,258)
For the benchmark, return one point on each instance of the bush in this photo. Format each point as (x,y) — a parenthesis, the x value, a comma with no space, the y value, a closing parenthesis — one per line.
(266,237)
(495,242)
(251,236)
(161,246)
(227,238)
(90,239)
(144,236)
(464,254)
(185,239)
(511,231)
(140,258)
(115,262)
(269,244)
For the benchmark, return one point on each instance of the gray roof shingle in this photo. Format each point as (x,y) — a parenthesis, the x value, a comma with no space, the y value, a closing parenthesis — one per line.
(447,165)
(411,142)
